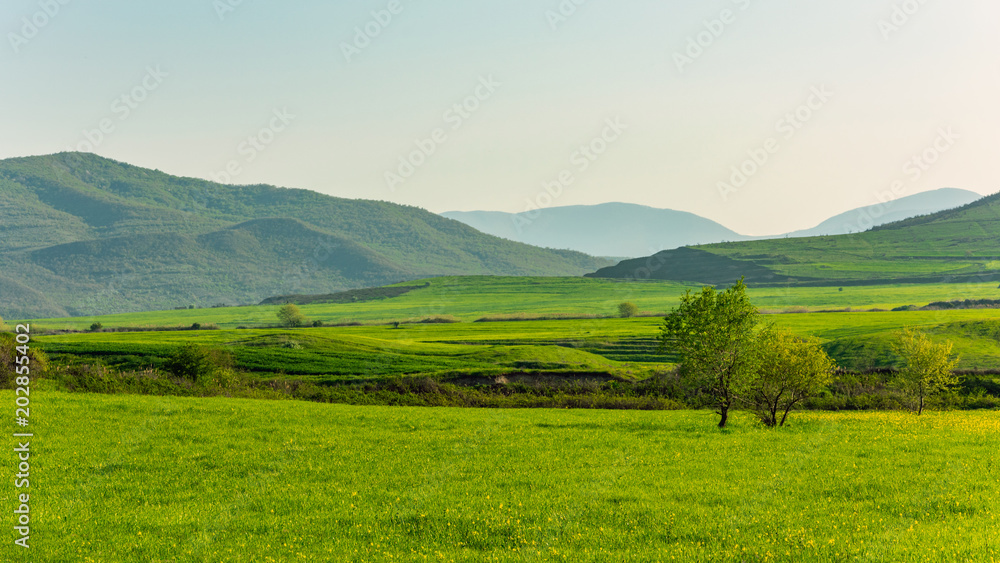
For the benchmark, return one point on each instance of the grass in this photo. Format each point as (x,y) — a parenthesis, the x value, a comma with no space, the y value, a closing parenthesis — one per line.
(125,478)
(958,242)
(469,298)
(624,348)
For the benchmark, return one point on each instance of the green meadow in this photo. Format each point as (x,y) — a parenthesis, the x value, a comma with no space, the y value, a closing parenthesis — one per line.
(469,298)
(621,347)
(127,478)
(159,477)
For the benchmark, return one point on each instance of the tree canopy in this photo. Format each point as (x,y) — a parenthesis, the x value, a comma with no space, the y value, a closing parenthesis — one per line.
(713,333)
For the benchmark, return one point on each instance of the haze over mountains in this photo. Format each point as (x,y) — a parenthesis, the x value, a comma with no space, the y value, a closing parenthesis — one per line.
(84,235)
(630,230)
(951,246)
(608,229)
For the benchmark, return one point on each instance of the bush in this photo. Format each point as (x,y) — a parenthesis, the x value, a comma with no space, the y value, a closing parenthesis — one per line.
(627,310)
(38,361)
(198,364)
(290,316)
(96,327)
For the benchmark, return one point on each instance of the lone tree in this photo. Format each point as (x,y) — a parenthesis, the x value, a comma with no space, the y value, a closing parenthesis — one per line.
(790,369)
(927,368)
(290,316)
(713,333)
(627,310)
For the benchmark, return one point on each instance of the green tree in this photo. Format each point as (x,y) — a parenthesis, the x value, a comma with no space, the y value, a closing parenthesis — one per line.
(627,310)
(290,316)
(790,369)
(927,368)
(713,333)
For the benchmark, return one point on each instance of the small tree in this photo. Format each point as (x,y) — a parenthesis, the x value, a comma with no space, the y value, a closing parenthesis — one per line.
(290,316)
(927,368)
(790,369)
(714,335)
(627,310)
(96,327)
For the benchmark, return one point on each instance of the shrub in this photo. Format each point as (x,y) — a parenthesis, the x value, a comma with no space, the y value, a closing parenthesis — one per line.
(96,327)
(38,361)
(198,364)
(290,316)
(627,310)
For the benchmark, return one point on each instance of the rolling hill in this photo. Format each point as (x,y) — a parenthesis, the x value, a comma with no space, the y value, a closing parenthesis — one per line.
(956,245)
(85,235)
(628,230)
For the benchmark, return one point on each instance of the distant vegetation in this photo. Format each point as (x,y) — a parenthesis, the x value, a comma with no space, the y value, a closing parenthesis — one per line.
(627,310)
(352,296)
(290,316)
(957,245)
(84,235)
(964,304)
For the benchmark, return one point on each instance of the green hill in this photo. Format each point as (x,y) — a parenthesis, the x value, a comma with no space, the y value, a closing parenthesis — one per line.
(85,235)
(956,245)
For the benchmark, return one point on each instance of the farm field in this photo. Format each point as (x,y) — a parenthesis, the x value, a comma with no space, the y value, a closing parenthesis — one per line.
(468,298)
(622,347)
(127,478)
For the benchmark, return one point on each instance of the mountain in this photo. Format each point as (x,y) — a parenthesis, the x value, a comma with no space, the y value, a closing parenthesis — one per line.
(609,229)
(864,218)
(628,230)
(955,245)
(84,235)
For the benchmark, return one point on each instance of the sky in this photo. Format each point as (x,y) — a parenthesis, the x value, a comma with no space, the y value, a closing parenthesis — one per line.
(764,115)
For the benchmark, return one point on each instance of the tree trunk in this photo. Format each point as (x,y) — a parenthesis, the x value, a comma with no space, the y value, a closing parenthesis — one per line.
(787,410)
(724,412)
(920,409)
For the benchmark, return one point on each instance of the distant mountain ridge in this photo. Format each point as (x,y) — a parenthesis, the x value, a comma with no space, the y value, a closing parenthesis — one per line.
(608,229)
(864,218)
(85,235)
(950,246)
(630,230)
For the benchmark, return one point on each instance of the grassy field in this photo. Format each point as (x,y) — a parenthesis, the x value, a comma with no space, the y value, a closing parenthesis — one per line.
(954,245)
(622,347)
(124,478)
(469,298)
(951,243)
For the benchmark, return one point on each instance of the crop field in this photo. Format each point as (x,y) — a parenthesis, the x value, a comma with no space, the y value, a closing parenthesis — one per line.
(622,347)
(469,298)
(126,478)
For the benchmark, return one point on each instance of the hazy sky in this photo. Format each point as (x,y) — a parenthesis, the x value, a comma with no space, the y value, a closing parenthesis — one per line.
(834,100)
